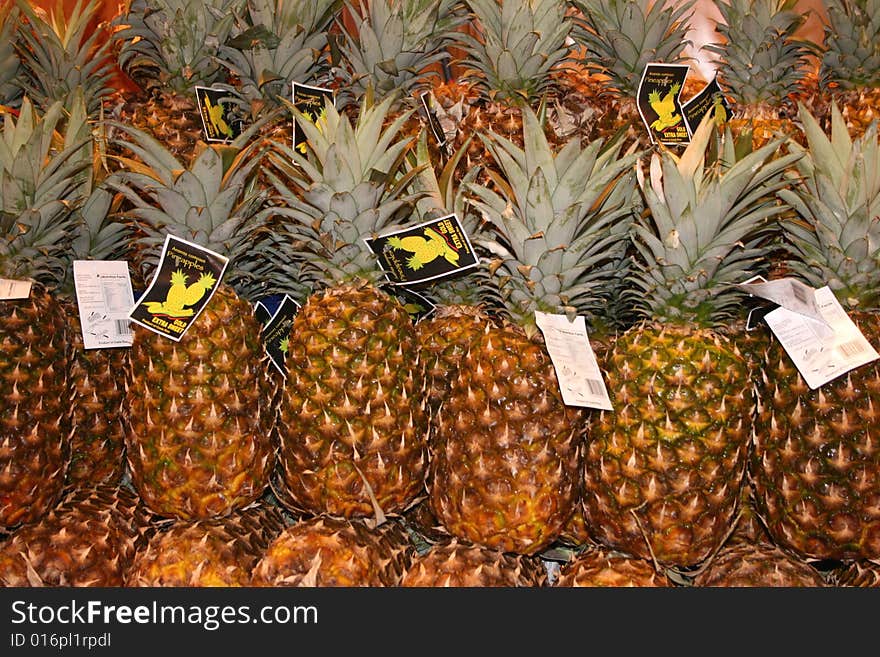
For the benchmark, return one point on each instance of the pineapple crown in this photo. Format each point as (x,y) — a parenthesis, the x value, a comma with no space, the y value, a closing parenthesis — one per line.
(707,226)
(65,53)
(620,37)
(277,43)
(561,218)
(761,58)
(42,173)
(215,203)
(835,238)
(518,45)
(175,43)
(852,44)
(394,45)
(349,186)
(10,64)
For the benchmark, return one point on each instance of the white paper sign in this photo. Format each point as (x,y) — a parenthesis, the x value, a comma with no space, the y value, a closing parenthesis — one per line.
(10,289)
(818,355)
(789,293)
(103,297)
(580,379)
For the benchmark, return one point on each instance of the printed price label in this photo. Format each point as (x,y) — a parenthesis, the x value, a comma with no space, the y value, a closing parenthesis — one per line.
(103,298)
(11,289)
(580,378)
(821,350)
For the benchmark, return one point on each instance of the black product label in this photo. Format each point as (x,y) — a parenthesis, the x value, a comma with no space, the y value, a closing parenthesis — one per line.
(710,98)
(417,305)
(276,313)
(431,250)
(659,105)
(311,102)
(428,103)
(219,120)
(186,279)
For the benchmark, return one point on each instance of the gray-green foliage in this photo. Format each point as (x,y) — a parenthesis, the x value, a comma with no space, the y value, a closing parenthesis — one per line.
(851,56)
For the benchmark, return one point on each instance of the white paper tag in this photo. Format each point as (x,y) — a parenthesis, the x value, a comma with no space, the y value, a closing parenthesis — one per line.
(789,293)
(580,379)
(10,289)
(821,357)
(103,297)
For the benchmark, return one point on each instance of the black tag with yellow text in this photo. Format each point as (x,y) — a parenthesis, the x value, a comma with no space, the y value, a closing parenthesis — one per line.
(428,101)
(710,98)
(417,305)
(184,282)
(659,105)
(433,249)
(310,101)
(219,120)
(276,313)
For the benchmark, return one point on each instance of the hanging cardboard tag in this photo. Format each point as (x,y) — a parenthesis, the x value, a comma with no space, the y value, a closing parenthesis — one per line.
(417,305)
(310,101)
(430,250)
(429,104)
(578,372)
(13,289)
(184,282)
(789,293)
(219,120)
(103,298)
(710,98)
(658,102)
(821,350)
(276,329)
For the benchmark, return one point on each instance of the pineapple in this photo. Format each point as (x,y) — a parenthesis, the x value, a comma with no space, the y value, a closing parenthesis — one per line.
(328,551)
(352,414)
(455,563)
(89,539)
(64,55)
(207,552)
(506,450)
(10,64)
(167,47)
(664,469)
(864,574)
(849,70)
(199,413)
(816,466)
(41,175)
(598,567)
(394,47)
(618,39)
(762,64)
(757,564)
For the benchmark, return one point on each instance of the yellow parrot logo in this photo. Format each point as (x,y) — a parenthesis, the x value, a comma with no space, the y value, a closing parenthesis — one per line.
(301,147)
(215,114)
(424,249)
(180,294)
(665,108)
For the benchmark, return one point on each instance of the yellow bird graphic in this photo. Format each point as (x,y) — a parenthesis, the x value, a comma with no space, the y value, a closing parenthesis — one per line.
(665,108)
(424,249)
(215,114)
(180,294)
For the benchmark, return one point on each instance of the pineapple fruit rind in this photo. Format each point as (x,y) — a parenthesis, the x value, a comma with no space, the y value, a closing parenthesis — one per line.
(757,564)
(597,567)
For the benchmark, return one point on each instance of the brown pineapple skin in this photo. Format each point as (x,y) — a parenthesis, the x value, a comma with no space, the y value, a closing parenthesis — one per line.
(89,539)
(198,413)
(600,567)
(35,419)
(506,451)
(863,574)
(207,552)
(816,462)
(666,466)
(328,551)
(352,408)
(757,565)
(456,564)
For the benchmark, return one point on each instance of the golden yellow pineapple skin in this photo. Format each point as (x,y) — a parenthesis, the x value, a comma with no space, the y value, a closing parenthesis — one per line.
(353,422)
(35,420)
(664,469)
(506,451)
(199,413)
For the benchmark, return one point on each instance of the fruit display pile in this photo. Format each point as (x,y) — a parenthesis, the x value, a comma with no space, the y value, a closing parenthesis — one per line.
(435,446)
